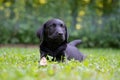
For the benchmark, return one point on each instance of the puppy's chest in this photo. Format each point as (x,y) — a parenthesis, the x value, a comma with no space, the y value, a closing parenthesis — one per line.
(56,54)
(53,53)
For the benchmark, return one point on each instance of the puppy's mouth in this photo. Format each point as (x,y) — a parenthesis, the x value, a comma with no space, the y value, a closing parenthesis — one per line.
(60,38)
(57,38)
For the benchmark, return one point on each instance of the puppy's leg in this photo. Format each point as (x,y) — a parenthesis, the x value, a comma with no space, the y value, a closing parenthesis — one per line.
(72,52)
(43,60)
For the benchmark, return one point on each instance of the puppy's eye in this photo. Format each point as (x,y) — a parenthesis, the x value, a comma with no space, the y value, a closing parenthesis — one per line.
(54,25)
(61,25)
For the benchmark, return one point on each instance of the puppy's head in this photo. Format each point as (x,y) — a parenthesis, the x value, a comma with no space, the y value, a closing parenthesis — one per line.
(54,29)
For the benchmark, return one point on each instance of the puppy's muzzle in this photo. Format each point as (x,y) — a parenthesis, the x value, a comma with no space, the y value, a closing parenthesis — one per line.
(60,33)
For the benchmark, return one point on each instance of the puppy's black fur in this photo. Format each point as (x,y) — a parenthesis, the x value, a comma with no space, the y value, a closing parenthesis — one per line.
(53,35)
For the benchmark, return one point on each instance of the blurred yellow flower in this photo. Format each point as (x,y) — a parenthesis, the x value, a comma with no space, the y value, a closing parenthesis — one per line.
(86,1)
(8,4)
(78,26)
(81,13)
(42,1)
(99,4)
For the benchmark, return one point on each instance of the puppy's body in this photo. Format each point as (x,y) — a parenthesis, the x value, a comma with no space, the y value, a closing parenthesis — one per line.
(54,39)
(72,51)
(53,36)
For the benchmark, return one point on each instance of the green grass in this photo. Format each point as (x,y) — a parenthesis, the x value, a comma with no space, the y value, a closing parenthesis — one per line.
(22,64)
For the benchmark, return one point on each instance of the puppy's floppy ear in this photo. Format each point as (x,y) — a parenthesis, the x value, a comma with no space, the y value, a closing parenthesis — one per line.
(66,34)
(40,32)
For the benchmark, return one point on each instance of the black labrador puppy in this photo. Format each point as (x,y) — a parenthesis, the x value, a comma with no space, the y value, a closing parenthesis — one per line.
(53,35)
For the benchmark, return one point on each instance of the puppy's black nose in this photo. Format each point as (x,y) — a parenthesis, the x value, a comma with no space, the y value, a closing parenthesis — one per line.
(60,33)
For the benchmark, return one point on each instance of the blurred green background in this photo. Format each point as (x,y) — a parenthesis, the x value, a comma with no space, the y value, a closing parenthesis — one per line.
(95,22)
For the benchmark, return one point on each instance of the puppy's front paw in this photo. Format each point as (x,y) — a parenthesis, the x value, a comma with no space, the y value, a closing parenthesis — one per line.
(43,62)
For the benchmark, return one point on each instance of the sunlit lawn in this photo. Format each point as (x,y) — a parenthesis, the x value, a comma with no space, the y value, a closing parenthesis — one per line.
(22,64)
